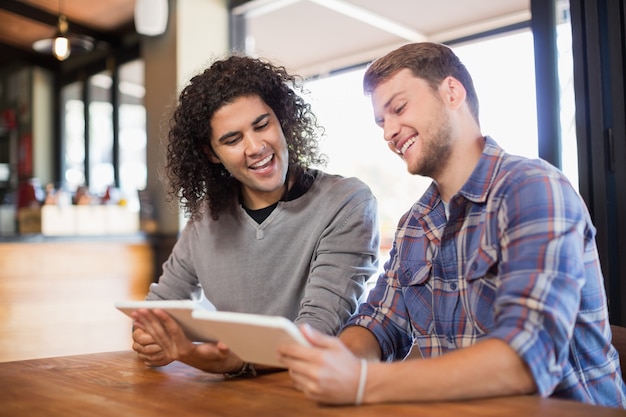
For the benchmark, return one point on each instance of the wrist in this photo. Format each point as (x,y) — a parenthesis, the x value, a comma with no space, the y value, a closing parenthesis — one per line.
(360,390)
(246,371)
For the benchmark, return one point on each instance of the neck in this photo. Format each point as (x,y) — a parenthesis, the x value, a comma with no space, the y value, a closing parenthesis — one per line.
(260,200)
(460,166)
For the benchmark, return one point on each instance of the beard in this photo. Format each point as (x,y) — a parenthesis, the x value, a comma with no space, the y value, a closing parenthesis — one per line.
(436,148)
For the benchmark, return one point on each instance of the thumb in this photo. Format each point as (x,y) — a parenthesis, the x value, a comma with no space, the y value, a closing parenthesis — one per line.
(222,347)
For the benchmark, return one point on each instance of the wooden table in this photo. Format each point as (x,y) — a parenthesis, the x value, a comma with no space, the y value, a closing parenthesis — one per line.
(116,384)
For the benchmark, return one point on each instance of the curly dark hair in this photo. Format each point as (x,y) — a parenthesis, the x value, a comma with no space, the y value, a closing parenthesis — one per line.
(196,181)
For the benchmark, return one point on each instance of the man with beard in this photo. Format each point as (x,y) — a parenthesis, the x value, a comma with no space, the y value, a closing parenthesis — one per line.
(493,286)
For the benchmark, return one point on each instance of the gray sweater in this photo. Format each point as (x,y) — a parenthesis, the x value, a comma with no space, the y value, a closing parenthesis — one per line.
(308,261)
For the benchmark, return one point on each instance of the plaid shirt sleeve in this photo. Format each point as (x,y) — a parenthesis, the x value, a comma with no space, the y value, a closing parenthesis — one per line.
(390,311)
(385,313)
(550,301)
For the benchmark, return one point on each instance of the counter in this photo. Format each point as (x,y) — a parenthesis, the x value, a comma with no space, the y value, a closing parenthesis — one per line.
(57,293)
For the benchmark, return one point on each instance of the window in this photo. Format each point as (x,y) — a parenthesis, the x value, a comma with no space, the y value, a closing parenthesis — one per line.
(74,134)
(355,147)
(100,168)
(505,88)
(354,144)
(569,147)
(132,130)
(107,146)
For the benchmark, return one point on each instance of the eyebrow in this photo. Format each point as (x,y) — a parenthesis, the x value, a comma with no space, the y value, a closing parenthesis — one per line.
(261,117)
(229,135)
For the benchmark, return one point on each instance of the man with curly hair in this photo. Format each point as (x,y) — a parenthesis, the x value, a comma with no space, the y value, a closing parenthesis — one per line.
(267,233)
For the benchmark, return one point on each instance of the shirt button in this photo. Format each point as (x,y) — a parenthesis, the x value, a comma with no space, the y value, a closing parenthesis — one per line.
(474,266)
(453,286)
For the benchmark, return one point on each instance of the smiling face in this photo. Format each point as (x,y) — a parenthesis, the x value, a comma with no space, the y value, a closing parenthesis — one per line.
(248,140)
(415,121)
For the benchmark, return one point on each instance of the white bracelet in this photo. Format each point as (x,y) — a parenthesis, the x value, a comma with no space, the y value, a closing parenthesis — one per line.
(362,380)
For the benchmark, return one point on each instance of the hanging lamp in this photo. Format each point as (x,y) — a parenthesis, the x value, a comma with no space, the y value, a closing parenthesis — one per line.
(151,17)
(64,43)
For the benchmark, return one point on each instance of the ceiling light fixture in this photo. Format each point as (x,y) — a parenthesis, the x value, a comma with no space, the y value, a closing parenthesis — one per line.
(61,48)
(63,44)
(151,17)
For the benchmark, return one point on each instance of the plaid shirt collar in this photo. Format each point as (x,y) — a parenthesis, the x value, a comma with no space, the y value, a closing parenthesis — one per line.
(477,186)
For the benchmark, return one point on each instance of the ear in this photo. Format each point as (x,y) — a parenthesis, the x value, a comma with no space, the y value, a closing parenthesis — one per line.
(211,155)
(453,92)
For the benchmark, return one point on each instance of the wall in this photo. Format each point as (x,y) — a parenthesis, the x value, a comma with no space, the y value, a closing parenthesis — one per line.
(43,126)
(197,33)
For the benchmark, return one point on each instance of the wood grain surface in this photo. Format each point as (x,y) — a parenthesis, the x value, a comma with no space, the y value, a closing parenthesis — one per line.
(116,384)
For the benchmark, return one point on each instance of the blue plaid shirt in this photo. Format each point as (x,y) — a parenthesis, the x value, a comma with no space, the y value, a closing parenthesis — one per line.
(516,261)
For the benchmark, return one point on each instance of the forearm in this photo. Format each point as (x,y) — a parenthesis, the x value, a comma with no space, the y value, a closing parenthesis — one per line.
(487,369)
(345,258)
(361,342)
(232,365)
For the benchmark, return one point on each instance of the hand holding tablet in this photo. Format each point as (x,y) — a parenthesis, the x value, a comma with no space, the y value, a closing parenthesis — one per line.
(253,337)
(180,310)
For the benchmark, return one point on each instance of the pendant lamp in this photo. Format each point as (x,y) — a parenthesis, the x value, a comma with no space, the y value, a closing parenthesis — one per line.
(63,44)
(151,17)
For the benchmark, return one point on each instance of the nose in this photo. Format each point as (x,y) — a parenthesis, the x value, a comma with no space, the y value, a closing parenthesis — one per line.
(391,132)
(255,145)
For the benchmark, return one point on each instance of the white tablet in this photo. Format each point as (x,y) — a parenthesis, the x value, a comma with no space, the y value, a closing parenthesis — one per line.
(253,337)
(180,310)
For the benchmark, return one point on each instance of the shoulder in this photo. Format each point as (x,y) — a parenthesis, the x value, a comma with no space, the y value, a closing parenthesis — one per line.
(507,171)
(519,173)
(534,186)
(228,219)
(335,194)
(524,167)
(339,184)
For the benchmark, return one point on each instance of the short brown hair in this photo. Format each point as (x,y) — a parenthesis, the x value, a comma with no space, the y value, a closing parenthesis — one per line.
(429,61)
